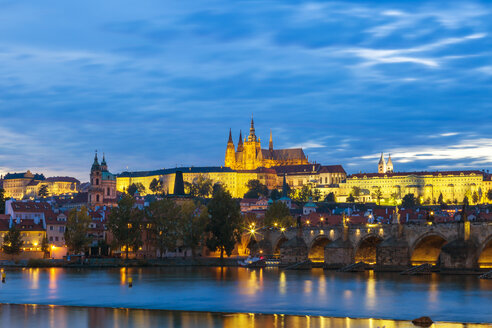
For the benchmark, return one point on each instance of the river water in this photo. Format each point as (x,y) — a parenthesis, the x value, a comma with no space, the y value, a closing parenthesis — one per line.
(311,295)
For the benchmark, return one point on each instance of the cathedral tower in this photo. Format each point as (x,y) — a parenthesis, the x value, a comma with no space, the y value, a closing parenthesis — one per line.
(230,155)
(389,165)
(382,165)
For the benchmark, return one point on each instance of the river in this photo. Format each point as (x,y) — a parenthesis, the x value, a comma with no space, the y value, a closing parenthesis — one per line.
(312,295)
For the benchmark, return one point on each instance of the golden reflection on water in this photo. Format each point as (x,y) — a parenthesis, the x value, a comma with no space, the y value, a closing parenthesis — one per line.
(80,317)
(282,285)
(371,290)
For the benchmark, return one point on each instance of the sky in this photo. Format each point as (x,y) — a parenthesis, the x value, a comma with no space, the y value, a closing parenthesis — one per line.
(158,84)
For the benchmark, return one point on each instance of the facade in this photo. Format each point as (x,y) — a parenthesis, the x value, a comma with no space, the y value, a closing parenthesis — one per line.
(426,186)
(56,186)
(102,191)
(15,184)
(234,181)
(250,156)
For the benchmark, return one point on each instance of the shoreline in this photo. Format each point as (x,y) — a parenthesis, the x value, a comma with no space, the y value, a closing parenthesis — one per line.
(197,262)
(225,313)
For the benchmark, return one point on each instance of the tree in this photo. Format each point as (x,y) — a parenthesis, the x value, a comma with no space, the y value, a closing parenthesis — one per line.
(164,217)
(155,186)
(378,195)
(76,230)
(275,195)
(45,246)
(12,241)
(134,187)
(466,202)
(256,189)
(125,223)
(192,225)
(350,199)
(489,194)
(395,196)
(330,198)
(2,200)
(409,201)
(225,222)
(316,194)
(43,191)
(475,197)
(356,193)
(440,200)
(278,213)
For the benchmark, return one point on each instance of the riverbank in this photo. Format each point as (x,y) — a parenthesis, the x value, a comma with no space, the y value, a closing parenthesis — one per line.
(61,316)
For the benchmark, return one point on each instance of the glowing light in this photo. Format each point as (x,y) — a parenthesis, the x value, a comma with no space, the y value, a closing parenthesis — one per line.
(307,221)
(35,244)
(429,223)
(322,219)
(282,229)
(53,246)
(252,231)
(275,224)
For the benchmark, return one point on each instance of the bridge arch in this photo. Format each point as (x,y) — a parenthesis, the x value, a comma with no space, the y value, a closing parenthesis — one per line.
(278,243)
(485,254)
(367,248)
(317,248)
(427,248)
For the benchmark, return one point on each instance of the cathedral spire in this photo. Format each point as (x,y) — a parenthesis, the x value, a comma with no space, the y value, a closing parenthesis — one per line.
(240,142)
(270,145)
(230,136)
(252,135)
(95,165)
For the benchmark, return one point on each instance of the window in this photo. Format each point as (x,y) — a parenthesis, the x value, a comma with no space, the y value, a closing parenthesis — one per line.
(51,238)
(61,229)
(109,191)
(97,198)
(51,227)
(56,238)
(97,182)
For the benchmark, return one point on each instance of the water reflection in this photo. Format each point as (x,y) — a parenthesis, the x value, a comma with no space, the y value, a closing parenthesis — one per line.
(61,317)
(315,292)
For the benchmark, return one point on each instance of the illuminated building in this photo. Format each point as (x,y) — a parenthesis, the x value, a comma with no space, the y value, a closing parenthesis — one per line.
(27,185)
(250,156)
(426,186)
(234,181)
(15,184)
(102,190)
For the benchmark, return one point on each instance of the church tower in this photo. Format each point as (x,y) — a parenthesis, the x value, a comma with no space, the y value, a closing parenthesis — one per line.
(389,165)
(240,142)
(96,192)
(270,144)
(230,155)
(382,165)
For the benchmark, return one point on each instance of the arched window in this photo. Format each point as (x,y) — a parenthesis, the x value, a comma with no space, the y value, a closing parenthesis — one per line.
(97,182)
(97,198)
(108,192)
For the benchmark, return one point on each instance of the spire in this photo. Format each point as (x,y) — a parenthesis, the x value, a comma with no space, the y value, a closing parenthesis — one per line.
(381,160)
(230,136)
(95,165)
(104,166)
(240,142)
(252,135)
(270,145)
(104,159)
(284,187)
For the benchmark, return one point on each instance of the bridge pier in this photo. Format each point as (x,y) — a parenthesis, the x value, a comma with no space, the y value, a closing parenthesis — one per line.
(392,254)
(294,250)
(338,254)
(459,254)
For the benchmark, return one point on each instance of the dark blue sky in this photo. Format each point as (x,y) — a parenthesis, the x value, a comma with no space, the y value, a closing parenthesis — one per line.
(157,84)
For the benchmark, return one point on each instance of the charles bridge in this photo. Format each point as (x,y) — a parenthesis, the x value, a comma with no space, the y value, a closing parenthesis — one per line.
(457,245)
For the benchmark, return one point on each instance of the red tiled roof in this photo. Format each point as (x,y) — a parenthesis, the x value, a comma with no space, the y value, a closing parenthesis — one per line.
(332,169)
(31,206)
(29,225)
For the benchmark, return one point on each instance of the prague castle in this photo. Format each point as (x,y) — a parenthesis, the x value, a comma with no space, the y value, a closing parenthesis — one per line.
(250,156)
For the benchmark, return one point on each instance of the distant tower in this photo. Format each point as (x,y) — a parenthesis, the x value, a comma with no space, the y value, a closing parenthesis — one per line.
(382,165)
(102,190)
(389,165)
(230,155)
(252,134)
(270,144)
(96,192)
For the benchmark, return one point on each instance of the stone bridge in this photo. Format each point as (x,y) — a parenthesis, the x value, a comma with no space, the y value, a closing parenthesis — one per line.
(461,245)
